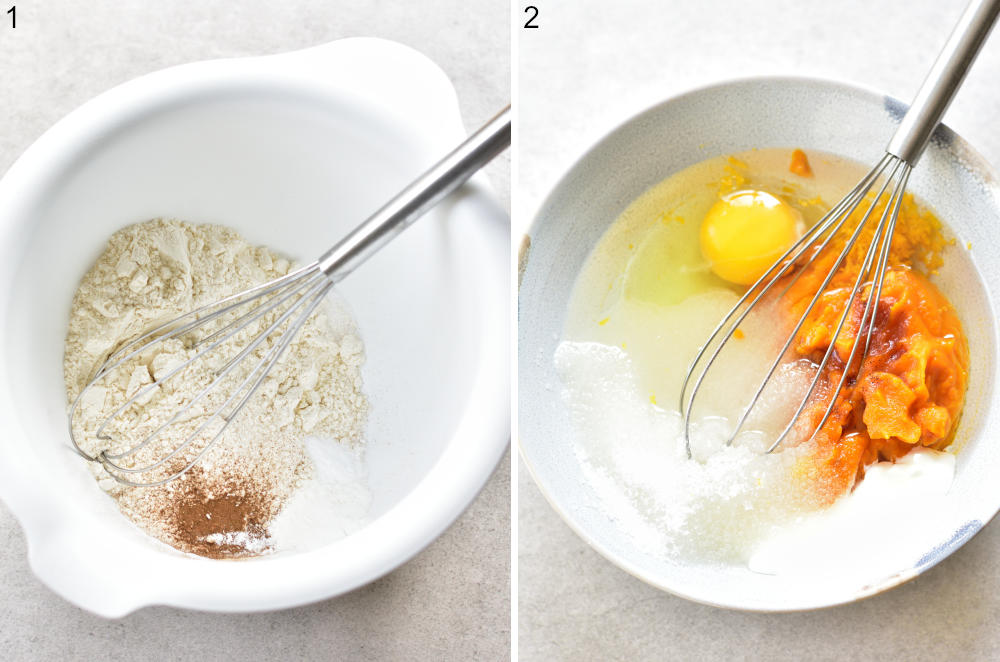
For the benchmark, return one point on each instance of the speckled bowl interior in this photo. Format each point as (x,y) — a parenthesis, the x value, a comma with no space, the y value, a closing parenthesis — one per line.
(731,117)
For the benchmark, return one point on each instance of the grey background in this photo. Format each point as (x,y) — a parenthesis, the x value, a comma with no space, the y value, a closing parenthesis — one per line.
(452,602)
(590,66)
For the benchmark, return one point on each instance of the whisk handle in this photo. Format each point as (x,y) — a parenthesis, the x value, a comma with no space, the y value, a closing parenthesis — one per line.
(412,202)
(943,80)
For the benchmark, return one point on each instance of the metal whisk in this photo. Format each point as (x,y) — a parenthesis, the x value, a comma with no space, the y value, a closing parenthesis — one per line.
(289,300)
(889,175)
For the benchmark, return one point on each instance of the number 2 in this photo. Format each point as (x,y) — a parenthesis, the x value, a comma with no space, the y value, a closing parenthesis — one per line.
(528,10)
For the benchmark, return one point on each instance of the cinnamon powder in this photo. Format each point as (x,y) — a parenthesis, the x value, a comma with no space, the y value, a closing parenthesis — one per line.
(219,517)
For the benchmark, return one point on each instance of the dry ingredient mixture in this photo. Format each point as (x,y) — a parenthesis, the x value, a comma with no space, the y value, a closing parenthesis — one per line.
(231,503)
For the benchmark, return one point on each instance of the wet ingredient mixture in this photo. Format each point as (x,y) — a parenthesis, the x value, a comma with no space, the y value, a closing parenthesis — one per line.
(653,289)
(239,500)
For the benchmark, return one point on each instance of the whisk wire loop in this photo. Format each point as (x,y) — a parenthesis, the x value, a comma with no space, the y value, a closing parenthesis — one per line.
(863,273)
(823,230)
(158,383)
(782,265)
(848,247)
(815,241)
(172,329)
(219,375)
(843,211)
(241,323)
(871,306)
(199,316)
(306,305)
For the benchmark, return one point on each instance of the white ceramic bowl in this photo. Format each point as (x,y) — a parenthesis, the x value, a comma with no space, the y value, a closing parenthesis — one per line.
(722,119)
(292,150)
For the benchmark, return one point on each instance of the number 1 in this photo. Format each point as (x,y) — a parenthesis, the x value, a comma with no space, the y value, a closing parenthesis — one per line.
(13,16)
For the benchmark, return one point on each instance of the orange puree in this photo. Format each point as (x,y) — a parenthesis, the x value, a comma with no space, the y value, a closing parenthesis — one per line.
(910,388)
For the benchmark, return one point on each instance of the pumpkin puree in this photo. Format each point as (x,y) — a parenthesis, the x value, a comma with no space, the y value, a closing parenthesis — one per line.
(910,387)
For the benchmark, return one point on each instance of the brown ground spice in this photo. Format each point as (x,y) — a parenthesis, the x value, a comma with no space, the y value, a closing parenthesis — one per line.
(222,505)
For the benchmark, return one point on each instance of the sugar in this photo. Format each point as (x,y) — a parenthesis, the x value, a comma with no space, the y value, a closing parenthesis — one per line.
(715,506)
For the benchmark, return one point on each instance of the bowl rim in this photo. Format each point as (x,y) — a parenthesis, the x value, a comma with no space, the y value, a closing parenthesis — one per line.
(381,77)
(896,108)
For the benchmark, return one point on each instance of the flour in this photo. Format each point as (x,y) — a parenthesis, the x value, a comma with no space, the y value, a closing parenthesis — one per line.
(225,506)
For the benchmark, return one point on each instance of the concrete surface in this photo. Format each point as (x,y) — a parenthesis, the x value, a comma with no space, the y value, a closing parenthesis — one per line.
(590,66)
(452,602)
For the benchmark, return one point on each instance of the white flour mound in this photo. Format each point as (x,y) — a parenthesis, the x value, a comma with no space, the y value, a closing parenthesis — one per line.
(154,271)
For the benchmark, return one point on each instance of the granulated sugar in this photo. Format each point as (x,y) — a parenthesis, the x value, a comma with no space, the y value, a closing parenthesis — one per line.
(733,504)
(717,506)
(227,504)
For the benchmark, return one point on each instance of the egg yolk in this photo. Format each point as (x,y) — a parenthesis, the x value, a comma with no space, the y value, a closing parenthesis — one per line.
(745,232)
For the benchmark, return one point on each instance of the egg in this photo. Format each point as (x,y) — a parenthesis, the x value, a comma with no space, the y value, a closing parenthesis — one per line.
(647,281)
(745,232)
